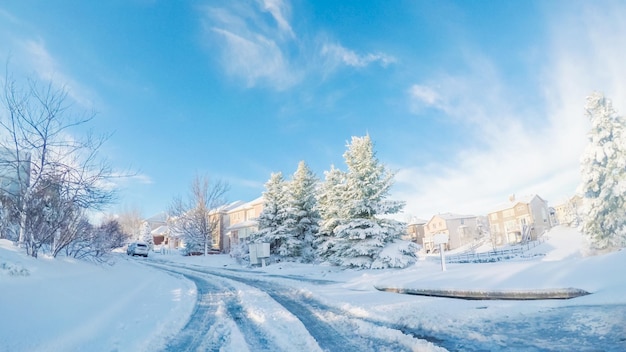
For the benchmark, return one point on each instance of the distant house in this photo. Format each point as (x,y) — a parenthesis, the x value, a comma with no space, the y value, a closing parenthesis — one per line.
(519,220)
(242,221)
(14,179)
(415,231)
(461,230)
(568,212)
(163,234)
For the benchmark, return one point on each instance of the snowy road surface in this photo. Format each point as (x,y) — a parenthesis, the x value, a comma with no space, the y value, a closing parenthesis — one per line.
(223,321)
(234,306)
(168,302)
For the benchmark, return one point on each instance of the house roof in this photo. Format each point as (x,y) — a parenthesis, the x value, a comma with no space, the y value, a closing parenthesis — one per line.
(249,204)
(161,230)
(417,221)
(452,216)
(160,217)
(242,225)
(515,201)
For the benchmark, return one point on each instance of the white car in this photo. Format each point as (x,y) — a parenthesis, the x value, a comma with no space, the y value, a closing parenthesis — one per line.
(137,248)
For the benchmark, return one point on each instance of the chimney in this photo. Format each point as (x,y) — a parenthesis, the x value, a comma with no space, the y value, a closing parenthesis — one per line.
(512,198)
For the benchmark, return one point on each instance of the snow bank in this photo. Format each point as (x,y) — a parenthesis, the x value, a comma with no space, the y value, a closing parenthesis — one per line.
(67,305)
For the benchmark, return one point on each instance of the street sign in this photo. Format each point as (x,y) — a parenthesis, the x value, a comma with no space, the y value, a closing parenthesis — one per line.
(441,238)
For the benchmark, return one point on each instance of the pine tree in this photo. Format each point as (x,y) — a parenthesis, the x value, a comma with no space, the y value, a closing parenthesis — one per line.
(603,167)
(146,235)
(273,217)
(363,239)
(331,205)
(302,223)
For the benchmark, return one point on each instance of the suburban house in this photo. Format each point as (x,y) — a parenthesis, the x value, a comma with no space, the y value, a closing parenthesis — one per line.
(461,230)
(568,212)
(242,221)
(164,236)
(415,231)
(161,232)
(520,220)
(14,178)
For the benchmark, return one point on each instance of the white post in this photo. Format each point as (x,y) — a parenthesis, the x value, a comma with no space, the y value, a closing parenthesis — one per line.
(443,256)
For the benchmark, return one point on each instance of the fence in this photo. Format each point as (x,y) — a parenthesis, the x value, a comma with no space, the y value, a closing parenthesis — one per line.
(517,251)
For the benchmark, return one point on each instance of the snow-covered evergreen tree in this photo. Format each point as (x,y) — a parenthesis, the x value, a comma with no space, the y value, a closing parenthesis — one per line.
(362,235)
(273,217)
(302,222)
(603,167)
(331,205)
(146,235)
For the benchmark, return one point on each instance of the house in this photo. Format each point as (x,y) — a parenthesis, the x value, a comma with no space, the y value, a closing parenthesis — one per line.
(162,232)
(519,220)
(14,179)
(221,219)
(415,231)
(461,230)
(242,221)
(568,212)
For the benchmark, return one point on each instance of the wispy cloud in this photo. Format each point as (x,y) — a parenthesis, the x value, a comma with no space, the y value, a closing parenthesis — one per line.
(281,12)
(514,148)
(340,55)
(263,49)
(47,68)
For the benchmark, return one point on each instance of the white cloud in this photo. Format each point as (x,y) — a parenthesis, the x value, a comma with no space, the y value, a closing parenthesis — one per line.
(48,69)
(519,153)
(256,59)
(339,54)
(262,51)
(280,11)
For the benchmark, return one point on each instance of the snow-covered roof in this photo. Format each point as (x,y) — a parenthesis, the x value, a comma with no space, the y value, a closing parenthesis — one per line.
(417,221)
(249,204)
(452,216)
(161,230)
(242,225)
(160,217)
(514,201)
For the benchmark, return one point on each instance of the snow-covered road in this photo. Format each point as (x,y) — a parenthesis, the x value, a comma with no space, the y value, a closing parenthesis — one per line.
(256,311)
(222,320)
(168,302)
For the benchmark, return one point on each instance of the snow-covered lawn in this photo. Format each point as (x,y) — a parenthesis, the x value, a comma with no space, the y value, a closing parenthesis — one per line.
(64,305)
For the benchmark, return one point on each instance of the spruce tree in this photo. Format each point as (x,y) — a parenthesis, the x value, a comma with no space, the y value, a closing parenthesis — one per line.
(146,235)
(272,219)
(331,205)
(362,235)
(303,219)
(603,167)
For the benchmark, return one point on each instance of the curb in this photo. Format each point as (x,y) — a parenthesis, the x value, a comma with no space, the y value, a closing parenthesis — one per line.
(520,295)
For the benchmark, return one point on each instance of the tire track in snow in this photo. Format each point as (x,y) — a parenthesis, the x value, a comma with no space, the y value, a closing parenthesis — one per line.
(345,333)
(203,329)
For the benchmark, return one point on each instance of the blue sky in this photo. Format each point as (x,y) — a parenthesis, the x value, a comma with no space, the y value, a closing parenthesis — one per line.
(468,101)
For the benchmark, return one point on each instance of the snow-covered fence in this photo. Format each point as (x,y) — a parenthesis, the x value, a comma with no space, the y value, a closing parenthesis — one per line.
(518,252)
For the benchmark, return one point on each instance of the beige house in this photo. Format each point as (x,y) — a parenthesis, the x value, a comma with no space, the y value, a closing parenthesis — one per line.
(461,230)
(568,212)
(519,220)
(242,221)
(415,231)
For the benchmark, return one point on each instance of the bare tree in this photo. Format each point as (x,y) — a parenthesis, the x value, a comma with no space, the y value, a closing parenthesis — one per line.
(131,222)
(48,168)
(196,219)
